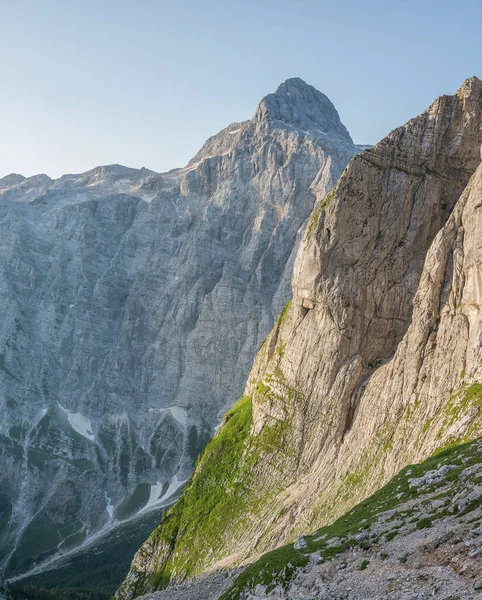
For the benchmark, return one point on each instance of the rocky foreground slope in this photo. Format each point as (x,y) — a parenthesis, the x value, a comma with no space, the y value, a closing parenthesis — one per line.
(417,538)
(132,306)
(375,364)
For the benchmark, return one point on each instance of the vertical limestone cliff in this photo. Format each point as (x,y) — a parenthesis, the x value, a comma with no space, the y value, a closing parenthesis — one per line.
(133,304)
(374,364)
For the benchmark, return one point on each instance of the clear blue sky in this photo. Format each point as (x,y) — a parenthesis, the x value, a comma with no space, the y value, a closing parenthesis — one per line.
(144,83)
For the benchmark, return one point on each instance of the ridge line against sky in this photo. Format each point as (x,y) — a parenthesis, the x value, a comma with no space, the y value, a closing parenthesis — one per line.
(85,84)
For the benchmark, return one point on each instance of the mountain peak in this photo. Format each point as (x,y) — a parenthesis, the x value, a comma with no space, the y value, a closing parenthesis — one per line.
(471,87)
(11,180)
(300,105)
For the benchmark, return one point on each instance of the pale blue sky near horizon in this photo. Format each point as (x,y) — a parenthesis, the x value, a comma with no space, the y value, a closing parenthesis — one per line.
(87,83)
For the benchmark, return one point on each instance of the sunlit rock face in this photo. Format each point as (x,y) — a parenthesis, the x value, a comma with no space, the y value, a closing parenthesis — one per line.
(374,365)
(132,305)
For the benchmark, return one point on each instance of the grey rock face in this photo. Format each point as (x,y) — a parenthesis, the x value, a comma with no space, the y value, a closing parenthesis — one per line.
(376,363)
(411,551)
(304,107)
(132,306)
(383,337)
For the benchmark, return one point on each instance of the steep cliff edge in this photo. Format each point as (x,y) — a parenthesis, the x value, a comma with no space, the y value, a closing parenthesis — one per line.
(133,304)
(373,365)
(419,537)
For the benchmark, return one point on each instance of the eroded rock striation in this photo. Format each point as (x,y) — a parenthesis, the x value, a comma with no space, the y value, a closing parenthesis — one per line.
(375,364)
(132,306)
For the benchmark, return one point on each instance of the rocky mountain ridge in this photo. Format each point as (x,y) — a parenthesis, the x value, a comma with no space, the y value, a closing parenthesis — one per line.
(381,344)
(133,304)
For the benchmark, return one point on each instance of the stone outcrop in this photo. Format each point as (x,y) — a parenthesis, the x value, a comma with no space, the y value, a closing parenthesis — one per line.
(417,538)
(376,361)
(133,304)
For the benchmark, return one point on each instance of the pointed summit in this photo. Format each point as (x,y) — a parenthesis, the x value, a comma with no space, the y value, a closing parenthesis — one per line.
(471,88)
(301,105)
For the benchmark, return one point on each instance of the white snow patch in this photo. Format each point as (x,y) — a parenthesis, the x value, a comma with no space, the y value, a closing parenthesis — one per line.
(109,507)
(323,132)
(173,486)
(148,197)
(155,496)
(234,131)
(179,413)
(80,423)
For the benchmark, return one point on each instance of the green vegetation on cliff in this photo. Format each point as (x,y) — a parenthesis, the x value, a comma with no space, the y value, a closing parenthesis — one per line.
(316,214)
(231,488)
(223,492)
(466,401)
(219,494)
(215,494)
(280,566)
